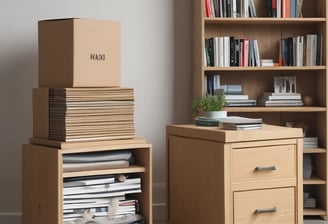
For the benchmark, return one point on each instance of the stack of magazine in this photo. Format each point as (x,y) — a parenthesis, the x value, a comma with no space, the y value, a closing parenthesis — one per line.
(269,99)
(103,196)
(240,123)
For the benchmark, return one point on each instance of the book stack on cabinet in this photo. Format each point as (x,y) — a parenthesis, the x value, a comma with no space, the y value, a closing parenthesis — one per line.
(84,162)
(272,27)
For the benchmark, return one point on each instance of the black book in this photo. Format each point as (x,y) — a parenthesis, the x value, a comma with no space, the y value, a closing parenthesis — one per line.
(211,51)
(290,46)
(229,8)
(232,51)
(269,8)
(319,49)
(224,9)
(237,52)
(216,8)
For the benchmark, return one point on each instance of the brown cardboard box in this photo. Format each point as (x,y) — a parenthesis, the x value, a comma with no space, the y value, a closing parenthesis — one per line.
(79,53)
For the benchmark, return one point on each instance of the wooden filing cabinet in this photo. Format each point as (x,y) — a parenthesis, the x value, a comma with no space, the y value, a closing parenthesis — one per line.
(234,177)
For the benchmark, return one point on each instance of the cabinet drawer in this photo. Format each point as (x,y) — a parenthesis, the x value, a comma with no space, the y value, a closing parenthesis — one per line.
(274,206)
(263,163)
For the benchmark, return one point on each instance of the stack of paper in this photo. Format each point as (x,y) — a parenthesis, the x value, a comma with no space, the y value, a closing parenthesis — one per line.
(310,142)
(102,196)
(240,123)
(91,114)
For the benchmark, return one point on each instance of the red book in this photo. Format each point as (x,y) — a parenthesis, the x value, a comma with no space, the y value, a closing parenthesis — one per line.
(274,8)
(246,52)
(208,8)
(285,8)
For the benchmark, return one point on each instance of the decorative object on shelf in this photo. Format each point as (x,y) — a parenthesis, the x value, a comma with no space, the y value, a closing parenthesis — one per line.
(300,124)
(285,84)
(307,167)
(210,104)
(308,101)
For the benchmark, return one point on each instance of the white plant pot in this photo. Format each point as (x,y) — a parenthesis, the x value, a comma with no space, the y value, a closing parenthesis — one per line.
(216,114)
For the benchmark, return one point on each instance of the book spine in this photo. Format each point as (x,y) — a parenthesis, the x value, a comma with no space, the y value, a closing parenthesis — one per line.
(241,52)
(293,8)
(211,51)
(269,8)
(319,49)
(274,8)
(237,51)
(232,51)
(208,8)
(216,50)
(246,48)
(226,50)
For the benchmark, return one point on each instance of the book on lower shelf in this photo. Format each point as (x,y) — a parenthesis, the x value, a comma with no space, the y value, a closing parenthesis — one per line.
(310,142)
(280,99)
(240,123)
(103,197)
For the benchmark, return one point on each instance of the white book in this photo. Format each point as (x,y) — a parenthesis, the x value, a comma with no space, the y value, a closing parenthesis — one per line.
(299,50)
(226,51)
(99,188)
(278,8)
(236,97)
(281,97)
(257,53)
(87,181)
(221,51)
(245,7)
(252,9)
(234,8)
(102,195)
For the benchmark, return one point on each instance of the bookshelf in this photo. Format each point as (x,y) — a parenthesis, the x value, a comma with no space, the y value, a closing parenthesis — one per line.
(311,80)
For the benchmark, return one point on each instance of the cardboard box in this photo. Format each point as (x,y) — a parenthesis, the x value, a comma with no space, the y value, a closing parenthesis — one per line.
(79,53)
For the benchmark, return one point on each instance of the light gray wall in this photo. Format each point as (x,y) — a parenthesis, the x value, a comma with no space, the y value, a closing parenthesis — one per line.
(155,61)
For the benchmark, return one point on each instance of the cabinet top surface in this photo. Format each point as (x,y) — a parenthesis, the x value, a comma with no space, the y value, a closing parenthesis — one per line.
(267,132)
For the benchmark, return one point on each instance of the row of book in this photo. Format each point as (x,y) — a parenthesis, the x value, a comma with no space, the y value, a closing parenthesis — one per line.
(246,8)
(230,8)
(101,196)
(284,8)
(303,50)
(230,51)
(233,93)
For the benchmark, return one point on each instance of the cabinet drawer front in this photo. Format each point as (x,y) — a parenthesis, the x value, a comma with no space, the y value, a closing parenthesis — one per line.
(274,206)
(263,163)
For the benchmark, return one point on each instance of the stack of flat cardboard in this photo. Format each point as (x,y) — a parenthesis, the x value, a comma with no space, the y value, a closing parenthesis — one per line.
(80,114)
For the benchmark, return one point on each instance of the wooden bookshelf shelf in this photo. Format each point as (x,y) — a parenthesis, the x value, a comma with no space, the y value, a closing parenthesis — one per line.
(264,20)
(314,211)
(276,109)
(314,150)
(261,69)
(314,181)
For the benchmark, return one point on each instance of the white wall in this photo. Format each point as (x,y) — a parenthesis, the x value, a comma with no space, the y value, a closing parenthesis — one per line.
(155,61)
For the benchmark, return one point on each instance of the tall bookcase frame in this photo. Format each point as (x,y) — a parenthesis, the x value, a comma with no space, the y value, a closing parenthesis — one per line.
(311,80)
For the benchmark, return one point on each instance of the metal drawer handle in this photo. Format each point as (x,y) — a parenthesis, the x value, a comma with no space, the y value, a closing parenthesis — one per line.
(261,168)
(264,210)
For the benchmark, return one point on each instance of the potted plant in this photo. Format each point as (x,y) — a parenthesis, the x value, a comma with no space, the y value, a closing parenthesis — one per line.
(210,104)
